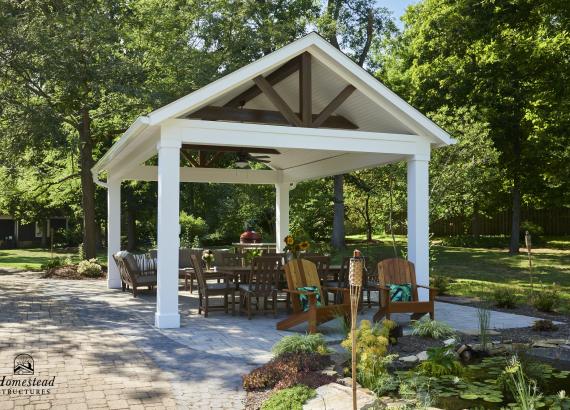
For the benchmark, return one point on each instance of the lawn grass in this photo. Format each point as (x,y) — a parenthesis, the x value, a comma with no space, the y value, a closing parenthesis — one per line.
(32,259)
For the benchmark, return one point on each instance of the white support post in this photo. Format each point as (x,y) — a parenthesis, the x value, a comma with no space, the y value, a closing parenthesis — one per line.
(168,235)
(418,219)
(113,231)
(281,213)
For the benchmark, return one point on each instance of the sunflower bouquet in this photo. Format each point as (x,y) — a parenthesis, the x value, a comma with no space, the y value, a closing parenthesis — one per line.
(294,245)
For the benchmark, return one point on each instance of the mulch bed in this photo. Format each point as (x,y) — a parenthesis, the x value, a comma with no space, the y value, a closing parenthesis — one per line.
(521,309)
(525,334)
(67,272)
(408,345)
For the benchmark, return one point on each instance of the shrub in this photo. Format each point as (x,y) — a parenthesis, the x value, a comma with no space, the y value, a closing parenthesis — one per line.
(190,227)
(441,361)
(89,268)
(314,343)
(284,369)
(431,328)
(505,297)
(292,398)
(441,283)
(544,325)
(372,347)
(547,300)
(52,263)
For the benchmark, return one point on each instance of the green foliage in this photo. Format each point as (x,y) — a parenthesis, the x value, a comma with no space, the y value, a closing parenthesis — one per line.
(547,299)
(372,353)
(190,228)
(286,370)
(52,263)
(309,343)
(291,398)
(484,317)
(426,327)
(441,361)
(524,390)
(89,268)
(505,297)
(80,252)
(439,282)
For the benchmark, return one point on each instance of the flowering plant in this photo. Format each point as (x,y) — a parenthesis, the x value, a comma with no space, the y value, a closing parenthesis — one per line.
(208,257)
(294,245)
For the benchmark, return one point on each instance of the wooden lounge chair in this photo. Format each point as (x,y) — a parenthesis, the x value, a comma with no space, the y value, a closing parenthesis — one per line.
(396,271)
(302,273)
(135,271)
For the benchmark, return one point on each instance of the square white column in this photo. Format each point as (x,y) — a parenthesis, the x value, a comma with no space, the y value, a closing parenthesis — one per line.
(113,231)
(168,235)
(418,219)
(281,213)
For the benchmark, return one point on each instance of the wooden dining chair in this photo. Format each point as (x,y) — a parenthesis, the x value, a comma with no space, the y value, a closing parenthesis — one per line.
(205,289)
(262,284)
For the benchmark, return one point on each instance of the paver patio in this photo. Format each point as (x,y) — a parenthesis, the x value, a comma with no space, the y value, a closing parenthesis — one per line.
(105,353)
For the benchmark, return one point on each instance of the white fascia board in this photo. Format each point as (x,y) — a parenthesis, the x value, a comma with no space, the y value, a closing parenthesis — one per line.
(373,89)
(271,136)
(207,175)
(135,154)
(137,127)
(210,92)
(335,166)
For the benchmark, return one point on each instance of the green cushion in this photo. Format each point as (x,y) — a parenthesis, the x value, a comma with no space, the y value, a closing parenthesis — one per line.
(400,293)
(305,298)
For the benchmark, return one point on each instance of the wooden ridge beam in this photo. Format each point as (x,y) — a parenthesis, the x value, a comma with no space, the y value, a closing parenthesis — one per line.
(212,113)
(277,101)
(224,148)
(333,105)
(275,77)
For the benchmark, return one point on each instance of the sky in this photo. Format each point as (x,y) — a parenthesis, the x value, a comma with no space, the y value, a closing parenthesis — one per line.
(398,7)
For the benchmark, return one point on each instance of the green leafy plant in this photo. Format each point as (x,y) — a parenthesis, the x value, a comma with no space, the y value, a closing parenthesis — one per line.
(548,299)
(441,361)
(544,325)
(52,263)
(418,390)
(431,328)
(505,297)
(190,227)
(250,254)
(523,389)
(314,343)
(89,268)
(484,317)
(441,283)
(291,398)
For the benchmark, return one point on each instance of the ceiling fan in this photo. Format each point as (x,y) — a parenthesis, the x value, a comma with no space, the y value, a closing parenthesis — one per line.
(244,157)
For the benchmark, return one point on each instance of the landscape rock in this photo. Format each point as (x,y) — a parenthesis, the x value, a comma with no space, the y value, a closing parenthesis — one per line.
(409,359)
(449,342)
(422,356)
(335,396)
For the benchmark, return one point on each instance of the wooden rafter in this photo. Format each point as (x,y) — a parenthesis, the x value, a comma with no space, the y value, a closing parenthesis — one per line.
(333,105)
(213,113)
(189,158)
(275,77)
(305,90)
(214,158)
(277,101)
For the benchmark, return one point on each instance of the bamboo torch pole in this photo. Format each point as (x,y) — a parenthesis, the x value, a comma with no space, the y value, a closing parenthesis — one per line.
(355,281)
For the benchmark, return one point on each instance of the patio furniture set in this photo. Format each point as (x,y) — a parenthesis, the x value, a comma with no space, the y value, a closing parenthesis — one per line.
(313,289)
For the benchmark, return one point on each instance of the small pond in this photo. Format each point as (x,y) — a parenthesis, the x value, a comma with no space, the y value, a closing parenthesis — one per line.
(482,385)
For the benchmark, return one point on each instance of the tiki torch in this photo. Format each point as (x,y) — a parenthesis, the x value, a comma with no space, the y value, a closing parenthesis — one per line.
(528,243)
(355,281)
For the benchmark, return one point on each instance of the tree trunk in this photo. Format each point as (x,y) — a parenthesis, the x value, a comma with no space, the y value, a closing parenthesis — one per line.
(475,222)
(87,185)
(516,219)
(131,231)
(368,219)
(44,234)
(337,241)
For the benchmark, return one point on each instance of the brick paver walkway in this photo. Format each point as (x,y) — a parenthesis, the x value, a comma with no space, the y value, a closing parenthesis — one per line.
(102,354)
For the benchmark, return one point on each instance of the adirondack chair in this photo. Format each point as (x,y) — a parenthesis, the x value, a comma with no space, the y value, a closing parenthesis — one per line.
(303,273)
(396,271)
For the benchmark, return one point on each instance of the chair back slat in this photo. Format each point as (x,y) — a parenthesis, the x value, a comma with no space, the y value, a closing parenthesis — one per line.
(228,259)
(397,271)
(301,273)
(322,263)
(264,275)
(199,271)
